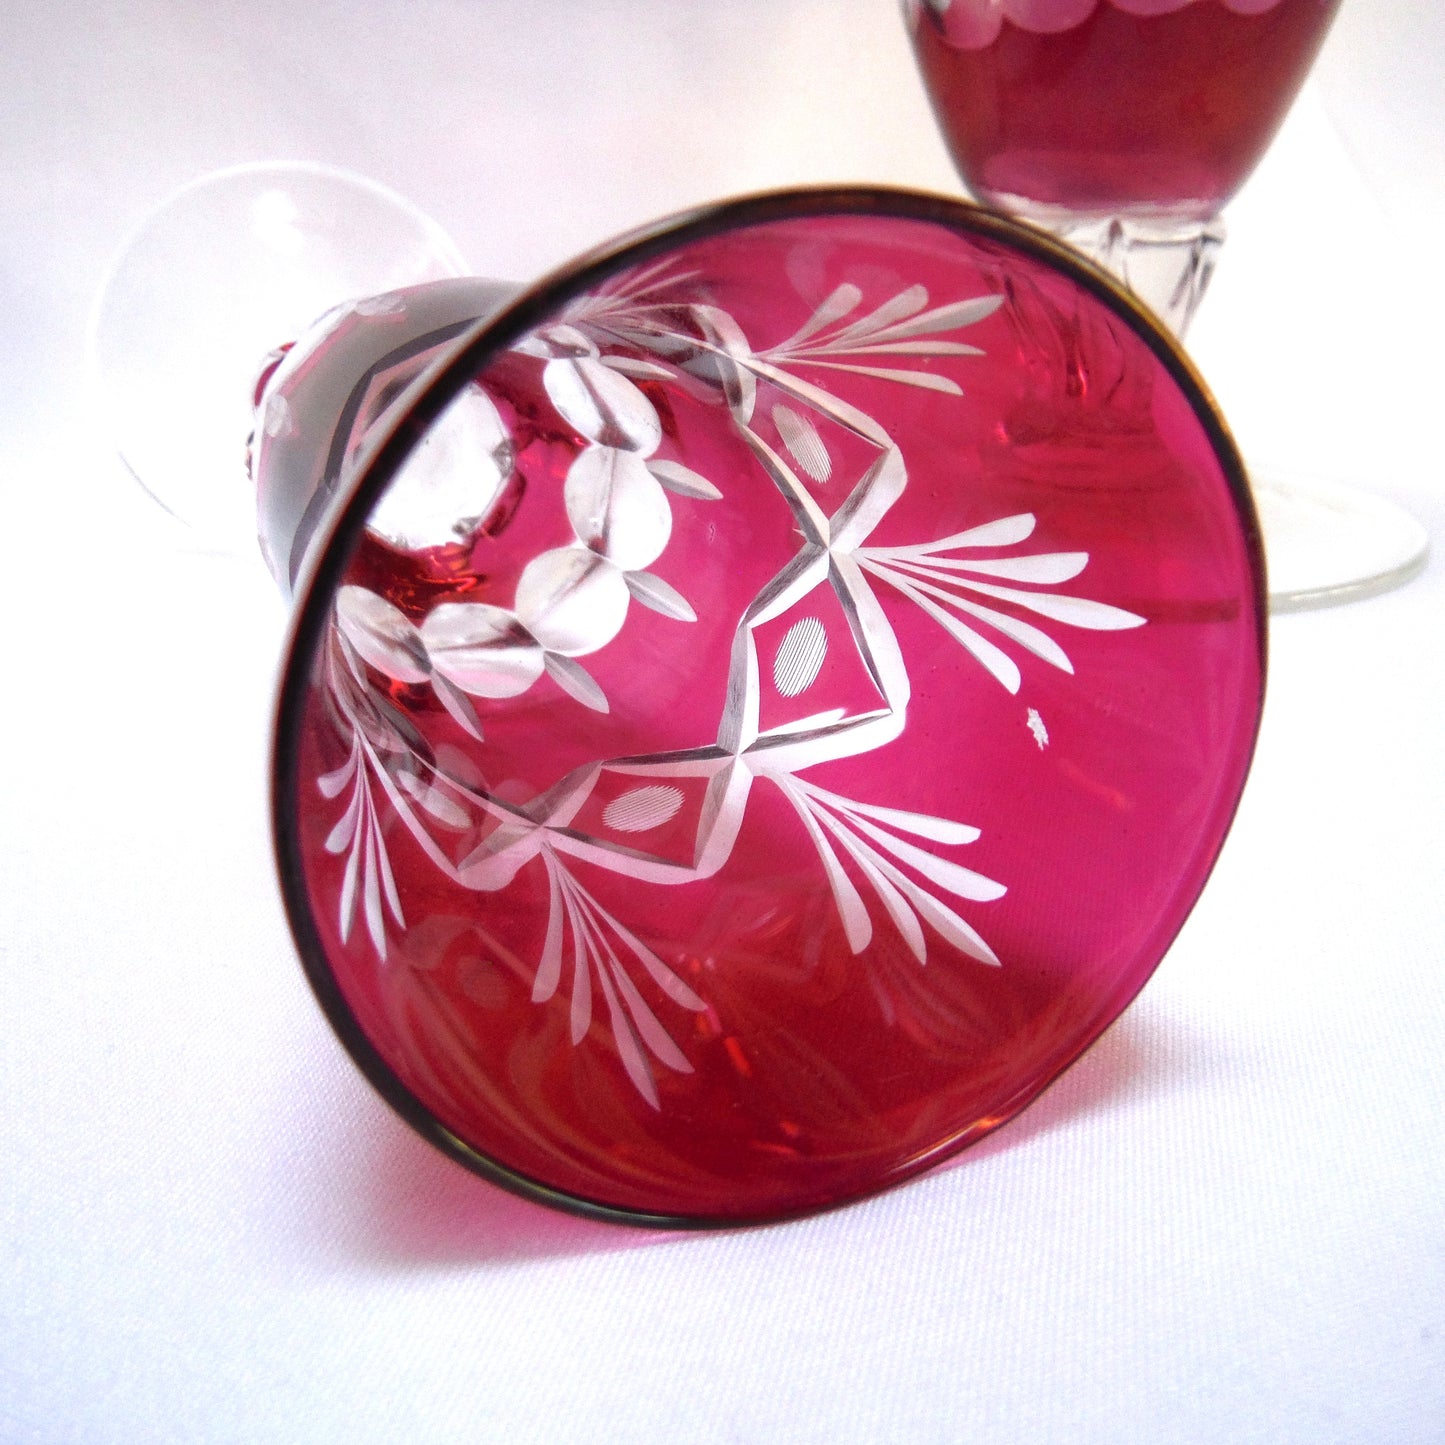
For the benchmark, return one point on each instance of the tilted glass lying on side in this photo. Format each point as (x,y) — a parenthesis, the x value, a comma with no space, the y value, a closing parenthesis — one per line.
(761,702)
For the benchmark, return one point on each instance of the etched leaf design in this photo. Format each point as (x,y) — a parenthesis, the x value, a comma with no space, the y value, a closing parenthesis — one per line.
(1076,611)
(436,802)
(804,444)
(382,634)
(457,704)
(928,380)
(602,404)
(481,649)
(840,302)
(830,818)
(663,597)
(617,506)
(942,318)
(908,301)
(723,358)
(1043,568)
(642,809)
(639,367)
(800,656)
(629,1049)
(683,480)
(576,682)
(571,600)
(921,825)
(329,785)
(582,932)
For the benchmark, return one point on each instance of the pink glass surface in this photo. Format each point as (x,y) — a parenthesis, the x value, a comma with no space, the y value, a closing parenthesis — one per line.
(1113,107)
(814,742)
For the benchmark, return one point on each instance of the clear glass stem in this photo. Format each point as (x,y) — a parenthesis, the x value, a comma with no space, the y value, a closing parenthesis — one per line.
(343,378)
(1325,542)
(1166,263)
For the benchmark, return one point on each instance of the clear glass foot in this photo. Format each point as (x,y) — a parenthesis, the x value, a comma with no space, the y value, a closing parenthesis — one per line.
(220,274)
(1327,543)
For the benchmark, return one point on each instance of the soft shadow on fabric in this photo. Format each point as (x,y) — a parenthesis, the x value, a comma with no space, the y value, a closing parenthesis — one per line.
(404,1203)
(392,1199)
(1135,1059)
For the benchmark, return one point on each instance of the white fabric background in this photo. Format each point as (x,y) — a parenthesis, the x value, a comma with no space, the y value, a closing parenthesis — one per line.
(1226,1224)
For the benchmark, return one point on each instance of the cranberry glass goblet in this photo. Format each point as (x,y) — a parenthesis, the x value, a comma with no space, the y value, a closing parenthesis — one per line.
(760,702)
(1126,126)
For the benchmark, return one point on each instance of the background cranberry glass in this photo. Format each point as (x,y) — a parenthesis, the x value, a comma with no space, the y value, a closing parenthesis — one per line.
(1113,107)
(1126,126)
(731,948)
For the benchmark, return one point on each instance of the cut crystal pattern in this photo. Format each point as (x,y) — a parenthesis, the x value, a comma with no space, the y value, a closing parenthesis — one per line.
(817,673)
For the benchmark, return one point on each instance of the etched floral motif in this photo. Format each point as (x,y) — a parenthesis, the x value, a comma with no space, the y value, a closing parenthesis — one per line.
(972,24)
(816,670)
(856,827)
(937,582)
(593,955)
